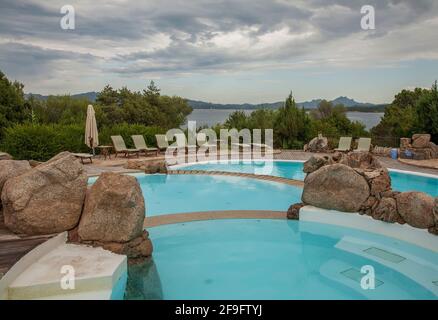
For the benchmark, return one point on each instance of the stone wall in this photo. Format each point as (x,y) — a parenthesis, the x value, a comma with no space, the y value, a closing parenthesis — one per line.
(357,182)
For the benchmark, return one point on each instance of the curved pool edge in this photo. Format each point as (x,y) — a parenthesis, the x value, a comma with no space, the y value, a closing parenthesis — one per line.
(182,166)
(419,237)
(175,218)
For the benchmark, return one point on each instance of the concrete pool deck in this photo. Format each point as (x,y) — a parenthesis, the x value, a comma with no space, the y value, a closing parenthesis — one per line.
(118,164)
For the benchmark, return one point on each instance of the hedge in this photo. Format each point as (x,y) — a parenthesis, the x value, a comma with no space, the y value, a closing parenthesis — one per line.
(42,142)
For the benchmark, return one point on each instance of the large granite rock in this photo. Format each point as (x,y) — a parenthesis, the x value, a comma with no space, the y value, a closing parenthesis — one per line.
(421,140)
(318,144)
(336,187)
(380,183)
(47,199)
(314,163)
(137,248)
(361,160)
(148,166)
(113,217)
(114,210)
(416,208)
(386,210)
(10,169)
(293,213)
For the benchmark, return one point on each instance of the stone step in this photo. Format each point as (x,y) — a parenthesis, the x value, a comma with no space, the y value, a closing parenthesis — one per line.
(94,269)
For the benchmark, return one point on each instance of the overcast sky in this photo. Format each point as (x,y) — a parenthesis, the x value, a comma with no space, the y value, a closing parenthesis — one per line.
(223,51)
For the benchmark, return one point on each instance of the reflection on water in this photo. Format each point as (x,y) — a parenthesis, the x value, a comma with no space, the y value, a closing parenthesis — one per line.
(143,281)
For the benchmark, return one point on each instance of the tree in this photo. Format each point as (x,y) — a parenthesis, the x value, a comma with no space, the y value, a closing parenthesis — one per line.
(427,113)
(12,102)
(292,125)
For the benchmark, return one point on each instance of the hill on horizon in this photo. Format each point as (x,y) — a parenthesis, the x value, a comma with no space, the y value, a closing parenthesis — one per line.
(196,104)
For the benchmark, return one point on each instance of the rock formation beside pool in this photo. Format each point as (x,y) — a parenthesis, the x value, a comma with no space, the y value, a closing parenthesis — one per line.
(53,197)
(318,144)
(113,216)
(420,147)
(148,166)
(336,187)
(46,199)
(356,182)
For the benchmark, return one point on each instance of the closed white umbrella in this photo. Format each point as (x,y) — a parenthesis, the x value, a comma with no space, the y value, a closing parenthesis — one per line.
(91,134)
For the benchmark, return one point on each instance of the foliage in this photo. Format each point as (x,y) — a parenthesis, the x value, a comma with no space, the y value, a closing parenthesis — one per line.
(13,108)
(43,141)
(293,127)
(412,111)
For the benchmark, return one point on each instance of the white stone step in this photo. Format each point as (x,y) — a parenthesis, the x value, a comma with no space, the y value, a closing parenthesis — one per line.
(95,271)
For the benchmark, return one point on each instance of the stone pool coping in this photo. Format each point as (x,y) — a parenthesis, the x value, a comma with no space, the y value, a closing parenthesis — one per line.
(173,218)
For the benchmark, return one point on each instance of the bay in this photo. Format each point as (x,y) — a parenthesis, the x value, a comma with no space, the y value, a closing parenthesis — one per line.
(211,117)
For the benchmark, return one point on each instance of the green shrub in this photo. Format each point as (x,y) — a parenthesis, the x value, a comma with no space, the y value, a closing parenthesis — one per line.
(41,142)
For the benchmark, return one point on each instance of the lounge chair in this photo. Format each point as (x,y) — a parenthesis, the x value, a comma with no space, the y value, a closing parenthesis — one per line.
(120,147)
(363,145)
(140,144)
(83,156)
(344,144)
(162,142)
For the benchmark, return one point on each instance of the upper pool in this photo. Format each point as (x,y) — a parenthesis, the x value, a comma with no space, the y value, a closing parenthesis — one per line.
(401,180)
(166,194)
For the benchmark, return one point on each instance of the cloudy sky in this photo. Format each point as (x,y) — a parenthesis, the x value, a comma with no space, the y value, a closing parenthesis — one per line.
(223,51)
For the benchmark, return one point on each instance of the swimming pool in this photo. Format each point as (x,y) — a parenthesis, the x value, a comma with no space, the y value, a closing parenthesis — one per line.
(279,259)
(401,181)
(166,194)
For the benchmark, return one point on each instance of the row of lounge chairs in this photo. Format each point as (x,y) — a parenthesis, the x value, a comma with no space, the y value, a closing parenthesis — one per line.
(163,144)
(363,145)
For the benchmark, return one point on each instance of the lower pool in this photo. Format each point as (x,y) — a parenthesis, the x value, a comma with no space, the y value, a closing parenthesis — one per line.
(280,259)
(401,181)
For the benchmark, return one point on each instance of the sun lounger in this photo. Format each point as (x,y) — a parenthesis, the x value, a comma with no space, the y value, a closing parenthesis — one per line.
(83,156)
(162,142)
(363,145)
(120,147)
(140,144)
(344,144)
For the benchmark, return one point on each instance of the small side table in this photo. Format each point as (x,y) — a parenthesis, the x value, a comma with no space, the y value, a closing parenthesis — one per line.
(105,151)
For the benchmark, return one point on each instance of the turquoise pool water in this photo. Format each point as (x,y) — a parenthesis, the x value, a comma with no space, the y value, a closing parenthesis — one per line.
(279,259)
(165,194)
(294,170)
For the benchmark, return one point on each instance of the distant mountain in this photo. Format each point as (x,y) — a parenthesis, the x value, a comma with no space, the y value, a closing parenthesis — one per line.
(195,104)
(275,105)
(91,96)
(208,105)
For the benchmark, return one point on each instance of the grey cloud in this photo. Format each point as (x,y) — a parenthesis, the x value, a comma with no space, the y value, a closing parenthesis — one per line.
(110,25)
